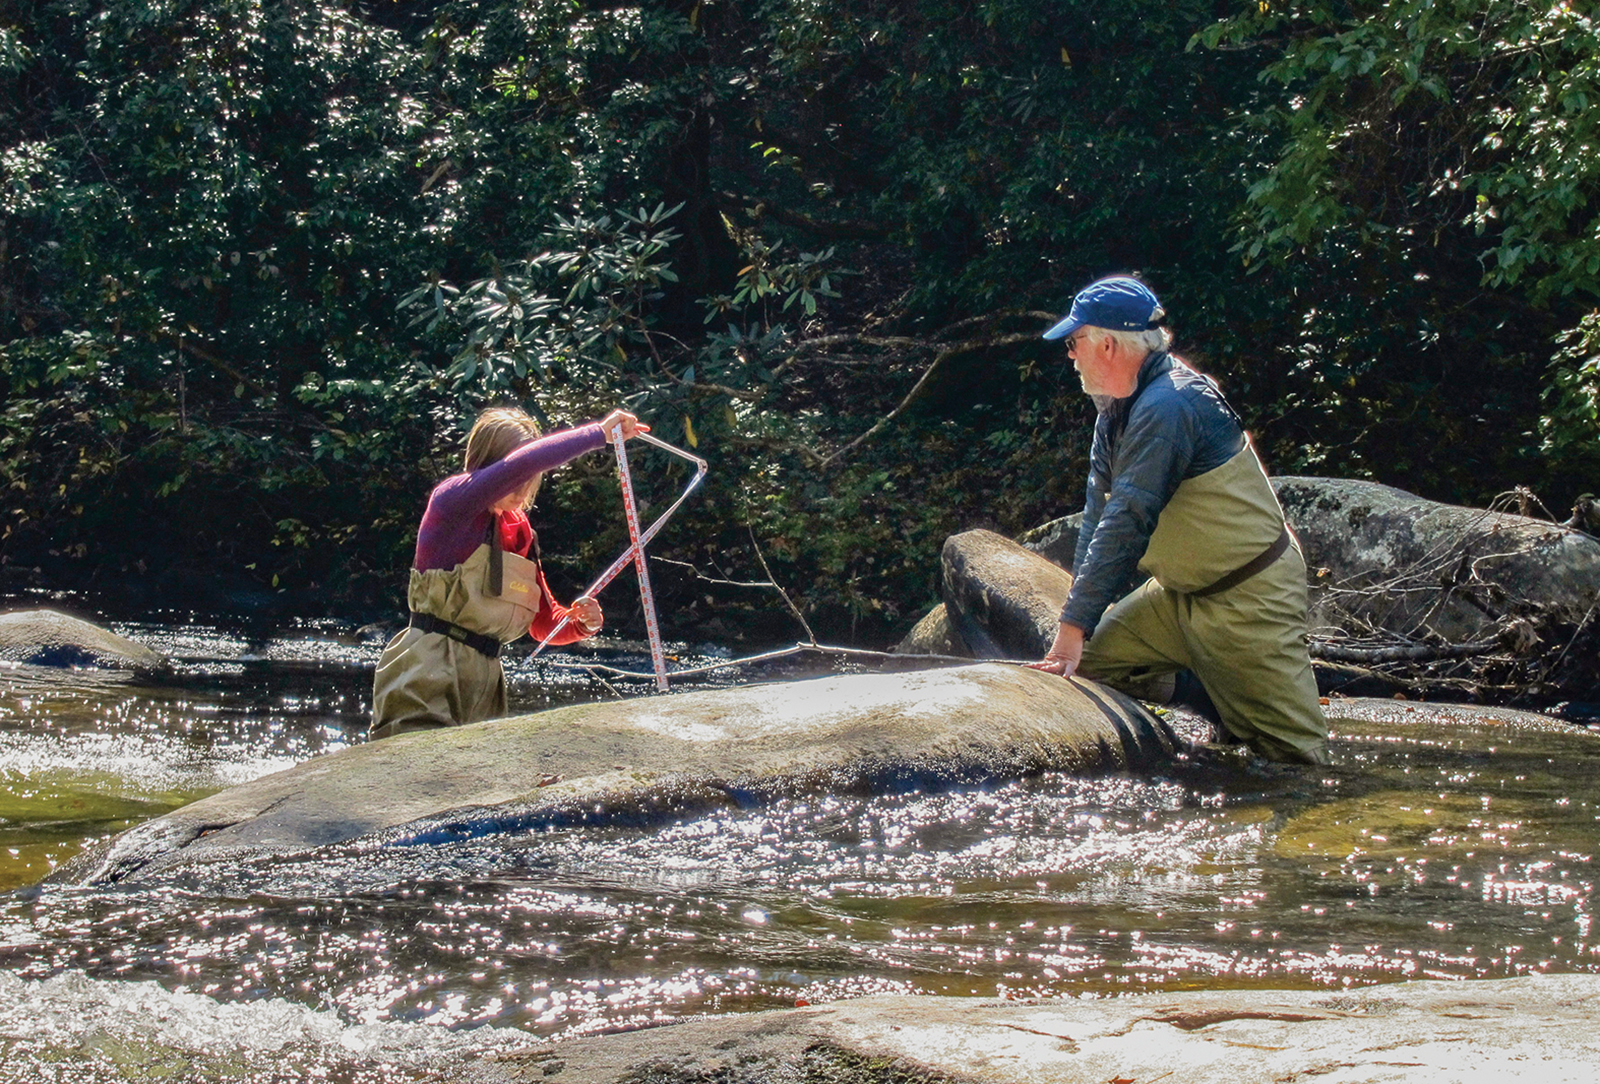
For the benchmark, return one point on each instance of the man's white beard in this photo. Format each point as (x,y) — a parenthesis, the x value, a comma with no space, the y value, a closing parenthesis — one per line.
(1093,391)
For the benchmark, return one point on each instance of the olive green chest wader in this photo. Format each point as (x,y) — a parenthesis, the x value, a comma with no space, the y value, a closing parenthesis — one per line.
(444,670)
(1226,599)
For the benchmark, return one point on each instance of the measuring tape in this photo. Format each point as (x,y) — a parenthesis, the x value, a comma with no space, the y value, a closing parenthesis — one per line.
(634,554)
(630,511)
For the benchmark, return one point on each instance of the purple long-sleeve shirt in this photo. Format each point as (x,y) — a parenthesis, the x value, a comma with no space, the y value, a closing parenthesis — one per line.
(460,507)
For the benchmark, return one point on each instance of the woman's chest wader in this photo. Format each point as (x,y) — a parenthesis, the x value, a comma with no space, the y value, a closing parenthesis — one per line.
(444,670)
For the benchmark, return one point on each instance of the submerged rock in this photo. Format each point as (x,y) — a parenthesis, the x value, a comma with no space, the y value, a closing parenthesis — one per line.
(649,759)
(54,639)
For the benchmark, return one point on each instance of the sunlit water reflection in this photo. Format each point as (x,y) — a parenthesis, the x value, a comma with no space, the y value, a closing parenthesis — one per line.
(1421,854)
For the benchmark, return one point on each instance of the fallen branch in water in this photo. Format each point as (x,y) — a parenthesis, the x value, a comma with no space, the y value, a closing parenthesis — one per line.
(1515,636)
(788,652)
(1401,652)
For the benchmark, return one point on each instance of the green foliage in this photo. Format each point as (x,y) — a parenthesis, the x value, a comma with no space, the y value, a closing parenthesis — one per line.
(1414,114)
(765,279)
(259,263)
(205,217)
(572,308)
(1434,207)
(1572,417)
(1014,150)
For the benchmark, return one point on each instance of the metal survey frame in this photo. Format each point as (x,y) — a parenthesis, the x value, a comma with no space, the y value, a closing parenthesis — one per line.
(635,551)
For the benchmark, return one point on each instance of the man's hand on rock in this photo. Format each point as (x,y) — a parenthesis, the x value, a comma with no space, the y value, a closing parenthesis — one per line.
(1064,654)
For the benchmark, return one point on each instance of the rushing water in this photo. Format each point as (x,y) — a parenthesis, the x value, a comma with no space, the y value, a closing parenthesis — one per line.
(1435,847)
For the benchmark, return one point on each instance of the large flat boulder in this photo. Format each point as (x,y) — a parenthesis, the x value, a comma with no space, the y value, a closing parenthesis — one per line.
(54,639)
(652,758)
(1538,1029)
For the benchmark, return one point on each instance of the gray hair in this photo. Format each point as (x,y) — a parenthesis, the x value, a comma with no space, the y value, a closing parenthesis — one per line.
(1138,342)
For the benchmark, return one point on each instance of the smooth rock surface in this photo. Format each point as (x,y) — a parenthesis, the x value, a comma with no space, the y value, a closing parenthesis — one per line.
(54,639)
(652,758)
(1539,1029)
(1003,600)
(934,635)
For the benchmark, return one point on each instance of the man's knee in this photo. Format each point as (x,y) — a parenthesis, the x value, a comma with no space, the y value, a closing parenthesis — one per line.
(1153,688)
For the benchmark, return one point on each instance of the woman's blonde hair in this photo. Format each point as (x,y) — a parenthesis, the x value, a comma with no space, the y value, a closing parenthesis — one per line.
(497,433)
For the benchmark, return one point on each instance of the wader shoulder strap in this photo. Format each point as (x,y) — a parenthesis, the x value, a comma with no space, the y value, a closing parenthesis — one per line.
(497,561)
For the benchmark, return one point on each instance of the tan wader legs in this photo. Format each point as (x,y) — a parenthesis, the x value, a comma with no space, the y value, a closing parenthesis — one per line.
(1247,645)
(426,680)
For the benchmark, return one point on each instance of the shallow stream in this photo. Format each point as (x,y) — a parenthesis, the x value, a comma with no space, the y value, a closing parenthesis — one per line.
(1440,845)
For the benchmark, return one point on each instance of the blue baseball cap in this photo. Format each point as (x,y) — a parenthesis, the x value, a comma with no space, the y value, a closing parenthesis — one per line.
(1116,304)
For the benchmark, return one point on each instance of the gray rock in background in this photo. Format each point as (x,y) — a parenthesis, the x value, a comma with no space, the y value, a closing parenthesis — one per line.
(53,639)
(1055,541)
(1454,566)
(934,635)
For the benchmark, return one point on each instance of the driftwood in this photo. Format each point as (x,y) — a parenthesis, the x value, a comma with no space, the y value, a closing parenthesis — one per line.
(1342,652)
(1477,604)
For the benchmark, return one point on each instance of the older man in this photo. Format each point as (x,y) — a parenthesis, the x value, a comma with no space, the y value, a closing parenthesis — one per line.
(1176,493)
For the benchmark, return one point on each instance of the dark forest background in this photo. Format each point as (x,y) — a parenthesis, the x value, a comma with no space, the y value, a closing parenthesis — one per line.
(261,260)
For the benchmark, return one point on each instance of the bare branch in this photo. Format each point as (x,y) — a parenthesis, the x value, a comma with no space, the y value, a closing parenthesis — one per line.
(922,382)
(193,349)
(703,578)
(787,601)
